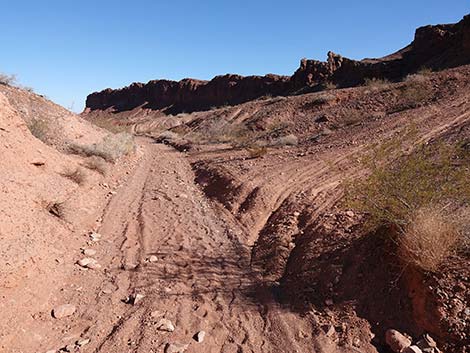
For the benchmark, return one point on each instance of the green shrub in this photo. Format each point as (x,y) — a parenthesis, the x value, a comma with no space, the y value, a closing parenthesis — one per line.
(412,196)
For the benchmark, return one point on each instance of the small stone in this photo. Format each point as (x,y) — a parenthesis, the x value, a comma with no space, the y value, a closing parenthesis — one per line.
(296,214)
(165,325)
(329,330)
(412,349)
(51,351)
(83,342)
(135,298)
(95,236)
(350,214)
(153,258)
(89,262)
(89,252)
(396,340)
(176,348)
(63,311)
(199,337)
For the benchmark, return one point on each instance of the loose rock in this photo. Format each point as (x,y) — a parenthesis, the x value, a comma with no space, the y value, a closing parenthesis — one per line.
(95,236)
(165,325)
(89,262)
(153,258)
(396,341)
(83,342)
(63,311)
(89,252)
(412,349)
(176,348)
(199,337)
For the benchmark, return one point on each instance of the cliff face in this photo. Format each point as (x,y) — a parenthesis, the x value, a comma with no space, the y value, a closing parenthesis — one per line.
(435,47)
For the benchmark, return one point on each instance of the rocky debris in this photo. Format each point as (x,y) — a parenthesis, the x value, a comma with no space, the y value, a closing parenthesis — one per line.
(89,262)
(397,341)
(153,259)
(63,311)
(95,236)
(427,344)
(89,252)
(134,298)
(199,337)
(176,347)
(412,349)
(165,325)
(82,342)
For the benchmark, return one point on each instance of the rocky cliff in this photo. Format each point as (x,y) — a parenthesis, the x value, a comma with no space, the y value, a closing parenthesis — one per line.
(434,47)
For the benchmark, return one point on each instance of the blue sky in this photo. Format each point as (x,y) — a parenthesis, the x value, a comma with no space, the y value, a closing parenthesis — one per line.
(68,49)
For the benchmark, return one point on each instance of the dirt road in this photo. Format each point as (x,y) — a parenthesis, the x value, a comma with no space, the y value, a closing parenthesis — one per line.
(201,279)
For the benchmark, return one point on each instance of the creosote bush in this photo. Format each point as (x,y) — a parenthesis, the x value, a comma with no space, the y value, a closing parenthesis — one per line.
(410,194)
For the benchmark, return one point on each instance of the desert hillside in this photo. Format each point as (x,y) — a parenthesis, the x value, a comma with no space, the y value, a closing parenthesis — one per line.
(324,212)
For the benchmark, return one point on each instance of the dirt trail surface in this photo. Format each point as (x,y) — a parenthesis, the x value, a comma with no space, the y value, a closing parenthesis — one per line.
(191,263)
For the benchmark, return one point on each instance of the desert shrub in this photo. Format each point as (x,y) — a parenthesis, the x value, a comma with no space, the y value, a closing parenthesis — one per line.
(77,175)
(111,148)
(97,164)
(256,151)
(394,194)
(56,208)
(7,80)
(323,98)
(414,93)
(428,239)
(351,117)
(287,140)
(376,83)
(328,86)
(40,129)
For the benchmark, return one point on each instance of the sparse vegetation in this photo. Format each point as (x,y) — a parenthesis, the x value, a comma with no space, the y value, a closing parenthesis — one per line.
(111,148)
(40,129)
(394,196)
(111,125)
(414,93)
(77,175)
(8,80)
(376,83)
(428,239)
(256,151)
(56,208)
(97,164)
(351,117)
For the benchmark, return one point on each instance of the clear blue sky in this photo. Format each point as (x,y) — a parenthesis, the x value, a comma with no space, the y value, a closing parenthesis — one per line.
(67,49)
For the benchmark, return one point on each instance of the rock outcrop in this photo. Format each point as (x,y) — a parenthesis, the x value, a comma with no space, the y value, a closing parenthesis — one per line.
(434,47)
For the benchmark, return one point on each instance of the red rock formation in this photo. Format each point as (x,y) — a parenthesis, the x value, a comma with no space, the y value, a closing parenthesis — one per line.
(434,47)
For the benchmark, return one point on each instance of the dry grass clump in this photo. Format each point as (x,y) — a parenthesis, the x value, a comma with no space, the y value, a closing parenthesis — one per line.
(428,239)
(110,125)
(111,148)
(286,140)
(416,92)
(395,195)
(77,175)
(256,151)
(56,208)
(351,117)
(97,164)
(40,129)
(376,83)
